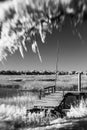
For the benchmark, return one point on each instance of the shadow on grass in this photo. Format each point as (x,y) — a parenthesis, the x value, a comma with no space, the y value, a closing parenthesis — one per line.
(71,88)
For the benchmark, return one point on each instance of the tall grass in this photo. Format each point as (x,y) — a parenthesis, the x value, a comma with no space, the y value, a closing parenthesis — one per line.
(78,111)
(16,113)
(14,109)
(20,118)
(20,101)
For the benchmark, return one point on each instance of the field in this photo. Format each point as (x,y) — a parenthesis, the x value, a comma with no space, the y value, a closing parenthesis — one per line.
(36,82)
(13,105)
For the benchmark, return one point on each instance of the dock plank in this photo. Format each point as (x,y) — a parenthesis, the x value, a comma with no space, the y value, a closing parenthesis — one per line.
(52,99)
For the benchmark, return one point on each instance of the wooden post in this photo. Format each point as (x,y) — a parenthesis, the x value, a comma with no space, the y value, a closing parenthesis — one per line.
(79,82)
(56,67)
(54,89)
(40,94)
(63,93)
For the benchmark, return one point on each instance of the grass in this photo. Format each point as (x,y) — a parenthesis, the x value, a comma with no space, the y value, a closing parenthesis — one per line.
(18,117)
(14,111)
(37,82)
(20,120)
(13,106)
(78,111)
(20,101)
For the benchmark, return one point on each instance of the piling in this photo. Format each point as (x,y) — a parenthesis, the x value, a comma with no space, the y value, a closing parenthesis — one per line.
(40,94)
(79,82)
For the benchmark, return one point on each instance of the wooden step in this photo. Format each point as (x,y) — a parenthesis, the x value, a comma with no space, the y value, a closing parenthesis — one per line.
(54,95)
(60,94)
(47,101)
(59,97)
(53,99)
(46,104)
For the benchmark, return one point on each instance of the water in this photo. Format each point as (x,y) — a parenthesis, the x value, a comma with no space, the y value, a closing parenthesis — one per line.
(80,124)
(72,124)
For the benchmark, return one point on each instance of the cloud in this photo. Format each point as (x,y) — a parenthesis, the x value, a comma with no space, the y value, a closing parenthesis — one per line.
(22,20)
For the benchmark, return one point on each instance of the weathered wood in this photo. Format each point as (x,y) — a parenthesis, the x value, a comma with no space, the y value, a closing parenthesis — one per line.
(54,99)
(40,93)
(46,91)
(79,82)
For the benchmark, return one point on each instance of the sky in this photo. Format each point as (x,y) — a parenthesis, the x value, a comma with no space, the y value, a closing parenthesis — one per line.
(72,53)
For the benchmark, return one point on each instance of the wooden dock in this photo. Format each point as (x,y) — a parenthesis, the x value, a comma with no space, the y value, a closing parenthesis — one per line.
(51,100)
(54,99)
(51,97)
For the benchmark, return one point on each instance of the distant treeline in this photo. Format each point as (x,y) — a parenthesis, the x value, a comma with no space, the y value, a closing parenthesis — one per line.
(9,72)
(10,86)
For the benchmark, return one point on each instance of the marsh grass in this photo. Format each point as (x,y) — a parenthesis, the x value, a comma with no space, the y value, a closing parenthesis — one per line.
(79,110)
(13,109)
(17,116)
(20,119)
(25,100)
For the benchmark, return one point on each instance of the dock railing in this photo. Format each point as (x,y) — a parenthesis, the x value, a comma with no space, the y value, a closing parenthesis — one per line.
(52,89)
(46,91)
